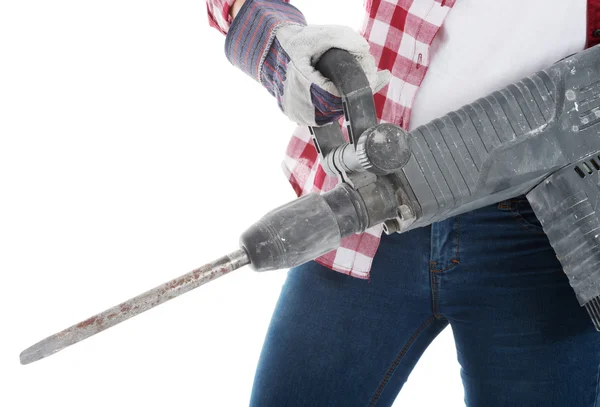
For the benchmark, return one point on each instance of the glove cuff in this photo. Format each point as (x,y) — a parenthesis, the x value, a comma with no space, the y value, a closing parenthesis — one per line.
(253,29)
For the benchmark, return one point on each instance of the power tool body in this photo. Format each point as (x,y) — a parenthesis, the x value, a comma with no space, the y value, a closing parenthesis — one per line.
(539,137)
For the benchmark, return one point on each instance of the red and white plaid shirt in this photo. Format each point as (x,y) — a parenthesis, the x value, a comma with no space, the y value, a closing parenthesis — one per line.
(400,33)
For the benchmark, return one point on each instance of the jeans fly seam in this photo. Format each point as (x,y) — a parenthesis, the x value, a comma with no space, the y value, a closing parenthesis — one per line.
(390,371)
(434,297)
(455,261)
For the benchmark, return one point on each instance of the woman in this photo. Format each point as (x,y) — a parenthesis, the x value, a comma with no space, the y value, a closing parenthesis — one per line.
(352,337)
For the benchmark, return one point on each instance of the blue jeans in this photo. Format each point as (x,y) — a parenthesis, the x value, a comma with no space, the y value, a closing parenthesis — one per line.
(521,337)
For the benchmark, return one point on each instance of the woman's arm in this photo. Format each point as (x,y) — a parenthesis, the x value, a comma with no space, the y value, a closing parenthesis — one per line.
(236,7)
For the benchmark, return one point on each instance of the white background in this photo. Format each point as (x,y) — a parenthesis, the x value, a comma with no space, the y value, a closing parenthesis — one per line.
(131,152)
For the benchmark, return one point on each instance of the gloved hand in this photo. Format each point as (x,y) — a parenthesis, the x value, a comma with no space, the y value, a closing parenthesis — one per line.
(270,41)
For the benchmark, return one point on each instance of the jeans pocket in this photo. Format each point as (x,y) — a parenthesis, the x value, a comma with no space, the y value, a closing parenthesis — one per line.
(524,213)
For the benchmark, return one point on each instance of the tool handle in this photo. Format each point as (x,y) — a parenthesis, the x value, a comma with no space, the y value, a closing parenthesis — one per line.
(343,70)
(347,75)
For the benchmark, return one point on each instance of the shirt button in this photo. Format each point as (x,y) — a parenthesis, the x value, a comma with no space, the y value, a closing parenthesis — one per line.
(596,33)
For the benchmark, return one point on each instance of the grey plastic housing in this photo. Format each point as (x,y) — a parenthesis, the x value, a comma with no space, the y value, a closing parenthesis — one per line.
(531,137)
(503,145)
(566,205)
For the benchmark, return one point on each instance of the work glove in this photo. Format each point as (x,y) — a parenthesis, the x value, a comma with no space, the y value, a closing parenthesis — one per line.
(270,41)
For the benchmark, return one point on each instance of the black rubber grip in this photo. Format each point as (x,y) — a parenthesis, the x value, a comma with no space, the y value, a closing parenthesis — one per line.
(343,70)
(347,75)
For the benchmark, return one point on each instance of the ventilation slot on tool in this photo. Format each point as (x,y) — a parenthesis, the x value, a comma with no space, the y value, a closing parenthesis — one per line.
(316,143)
(587,167)
(350,135)
(345,108)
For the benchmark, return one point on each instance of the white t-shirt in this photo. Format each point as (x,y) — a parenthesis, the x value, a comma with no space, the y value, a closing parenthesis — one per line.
(485,45)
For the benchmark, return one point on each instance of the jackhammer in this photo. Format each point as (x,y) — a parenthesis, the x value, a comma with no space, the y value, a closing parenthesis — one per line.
(539,137)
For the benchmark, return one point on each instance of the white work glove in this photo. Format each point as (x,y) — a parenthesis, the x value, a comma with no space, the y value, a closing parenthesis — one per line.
(270,41)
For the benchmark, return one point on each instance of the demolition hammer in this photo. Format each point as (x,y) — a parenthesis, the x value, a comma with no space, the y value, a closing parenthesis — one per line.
(539,137)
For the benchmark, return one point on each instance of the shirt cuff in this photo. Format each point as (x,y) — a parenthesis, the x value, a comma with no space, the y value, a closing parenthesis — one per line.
(253,29)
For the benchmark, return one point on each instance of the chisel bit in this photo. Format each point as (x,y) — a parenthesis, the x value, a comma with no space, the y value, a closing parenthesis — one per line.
(134,306)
